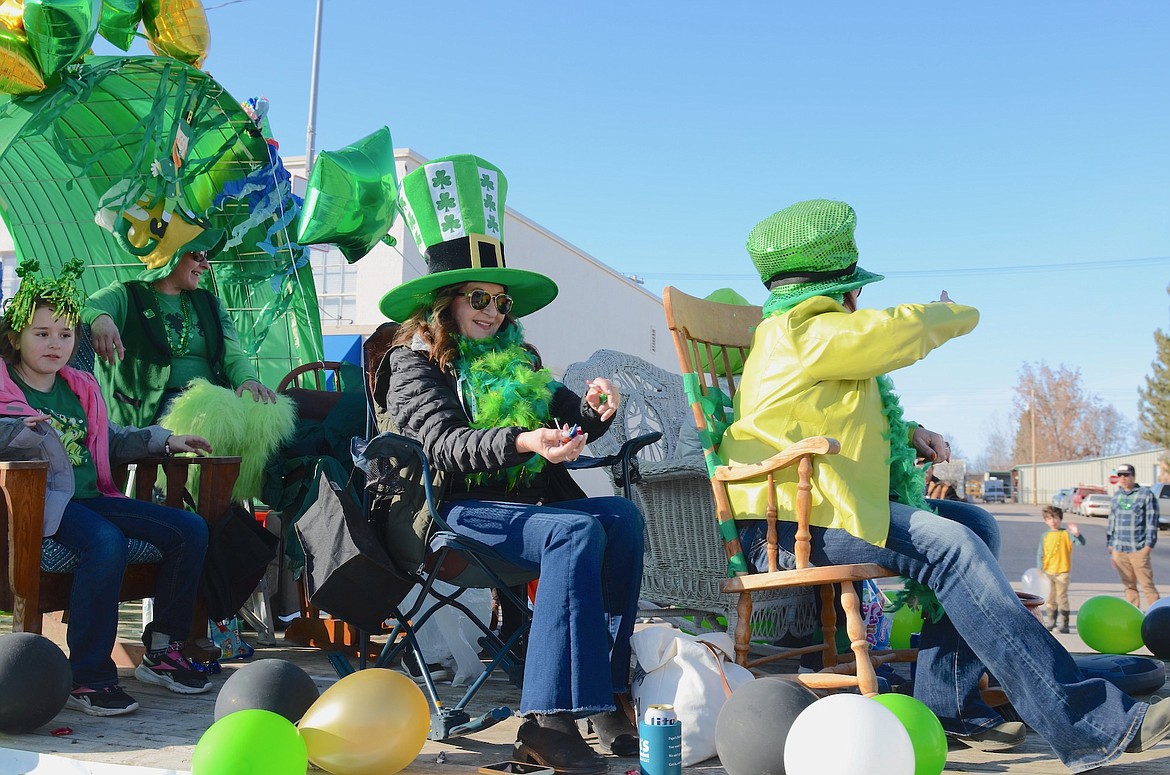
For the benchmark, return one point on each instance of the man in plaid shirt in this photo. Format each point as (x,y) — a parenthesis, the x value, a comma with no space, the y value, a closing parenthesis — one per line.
(1131,535)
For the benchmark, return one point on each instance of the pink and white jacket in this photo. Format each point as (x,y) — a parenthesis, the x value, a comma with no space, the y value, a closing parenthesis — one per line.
(108,444)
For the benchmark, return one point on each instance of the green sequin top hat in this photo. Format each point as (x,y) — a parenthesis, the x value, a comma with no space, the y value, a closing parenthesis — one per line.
(807,250)
(454,207)
(60,291)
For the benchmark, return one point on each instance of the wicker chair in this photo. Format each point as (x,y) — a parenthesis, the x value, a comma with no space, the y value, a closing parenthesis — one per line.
(684,561)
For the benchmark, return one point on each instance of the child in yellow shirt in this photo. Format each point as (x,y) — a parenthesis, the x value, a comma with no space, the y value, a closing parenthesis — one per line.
(1054,558)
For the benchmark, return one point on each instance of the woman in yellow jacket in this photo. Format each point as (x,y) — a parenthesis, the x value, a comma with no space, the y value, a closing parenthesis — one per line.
(817,367)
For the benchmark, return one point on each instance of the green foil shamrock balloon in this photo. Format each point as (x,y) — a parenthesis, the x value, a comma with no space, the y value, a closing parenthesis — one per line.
(351,197)
(60,31)
(119,21)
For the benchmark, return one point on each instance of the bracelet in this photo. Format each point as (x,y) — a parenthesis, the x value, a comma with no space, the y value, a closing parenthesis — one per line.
(167,447)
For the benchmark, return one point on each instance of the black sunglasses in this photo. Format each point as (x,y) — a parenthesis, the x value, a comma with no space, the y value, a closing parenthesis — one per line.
(480,299)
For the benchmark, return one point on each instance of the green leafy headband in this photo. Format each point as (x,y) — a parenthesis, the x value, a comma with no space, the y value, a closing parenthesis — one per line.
(60,291)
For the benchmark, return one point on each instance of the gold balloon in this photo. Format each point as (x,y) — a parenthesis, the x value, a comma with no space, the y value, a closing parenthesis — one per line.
(372,722)
(177,28)
(12,15)
(19,73)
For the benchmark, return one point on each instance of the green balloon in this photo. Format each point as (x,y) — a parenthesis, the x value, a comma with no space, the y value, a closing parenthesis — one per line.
(119,21)
(906,622)
(59,31)
(351,199)
(926,732)
(250,742)
(1110,625)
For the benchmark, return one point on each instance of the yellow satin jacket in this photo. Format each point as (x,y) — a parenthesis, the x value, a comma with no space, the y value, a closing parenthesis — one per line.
(813,371)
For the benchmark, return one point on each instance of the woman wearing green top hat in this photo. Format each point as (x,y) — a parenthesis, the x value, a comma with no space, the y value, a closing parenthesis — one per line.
(461,380)
(817,366)
(173,330)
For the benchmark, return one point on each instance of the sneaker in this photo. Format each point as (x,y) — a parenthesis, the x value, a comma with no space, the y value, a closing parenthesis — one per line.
(1000,738)
(170,669)
(107,701)
(436,669)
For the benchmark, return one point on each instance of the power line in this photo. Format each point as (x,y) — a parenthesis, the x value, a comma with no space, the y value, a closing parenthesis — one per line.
(1070,266)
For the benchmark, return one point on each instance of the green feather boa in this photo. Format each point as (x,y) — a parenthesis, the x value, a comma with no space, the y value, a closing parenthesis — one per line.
(503,388)
(907,486)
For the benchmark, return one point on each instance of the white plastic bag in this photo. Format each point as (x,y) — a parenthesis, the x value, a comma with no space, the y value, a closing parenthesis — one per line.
(449,635)
(694,674)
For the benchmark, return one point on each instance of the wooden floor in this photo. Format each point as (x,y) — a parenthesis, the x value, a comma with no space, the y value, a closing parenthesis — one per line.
(164,731)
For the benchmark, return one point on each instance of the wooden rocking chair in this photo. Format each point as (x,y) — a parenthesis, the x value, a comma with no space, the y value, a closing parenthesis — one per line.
(713,341)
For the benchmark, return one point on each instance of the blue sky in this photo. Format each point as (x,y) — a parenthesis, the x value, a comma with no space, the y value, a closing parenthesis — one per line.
(1015,154)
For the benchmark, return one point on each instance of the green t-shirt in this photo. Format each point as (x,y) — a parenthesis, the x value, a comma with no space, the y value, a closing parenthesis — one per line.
(196,361)
(67,418)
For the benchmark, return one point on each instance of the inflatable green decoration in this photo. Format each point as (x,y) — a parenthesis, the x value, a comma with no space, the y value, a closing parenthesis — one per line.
(60,31)
(119,21)
(351,196)
(102,142)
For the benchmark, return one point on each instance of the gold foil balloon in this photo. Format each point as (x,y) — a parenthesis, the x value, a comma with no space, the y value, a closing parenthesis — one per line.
(12,15)
(372,722)
(60,31)
(119,21)
(177,28)
(351,198)
(19,73)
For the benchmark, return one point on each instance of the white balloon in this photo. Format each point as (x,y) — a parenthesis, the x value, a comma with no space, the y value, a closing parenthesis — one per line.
(1035,581)
(846,734)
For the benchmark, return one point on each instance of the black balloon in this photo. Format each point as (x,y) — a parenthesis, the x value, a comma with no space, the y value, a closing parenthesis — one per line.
(35,680)
(267,684)
(754,723)
(1156,631)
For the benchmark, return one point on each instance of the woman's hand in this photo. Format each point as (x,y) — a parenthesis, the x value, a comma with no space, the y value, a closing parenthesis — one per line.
(602,397)
(553,445)
(107,339)
(194,444)
(931,446)
(259,391)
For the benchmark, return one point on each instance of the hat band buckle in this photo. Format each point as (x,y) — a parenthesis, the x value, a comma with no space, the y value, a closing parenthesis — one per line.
(475,249)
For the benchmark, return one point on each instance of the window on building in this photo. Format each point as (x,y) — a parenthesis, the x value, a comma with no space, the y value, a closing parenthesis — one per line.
(336,282)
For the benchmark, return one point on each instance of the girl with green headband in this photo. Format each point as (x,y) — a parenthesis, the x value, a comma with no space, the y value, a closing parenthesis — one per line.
(50,411)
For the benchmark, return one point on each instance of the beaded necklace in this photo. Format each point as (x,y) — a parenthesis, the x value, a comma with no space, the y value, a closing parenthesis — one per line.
(178,348)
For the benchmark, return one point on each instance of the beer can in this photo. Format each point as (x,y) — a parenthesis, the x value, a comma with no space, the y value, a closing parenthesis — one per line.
(657,715)
(660,742)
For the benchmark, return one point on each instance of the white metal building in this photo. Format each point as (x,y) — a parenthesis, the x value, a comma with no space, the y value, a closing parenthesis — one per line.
(1040,485)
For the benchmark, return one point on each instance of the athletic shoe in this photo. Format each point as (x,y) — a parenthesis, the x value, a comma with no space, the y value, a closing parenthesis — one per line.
(1000,738)
(107,701)
(436,669)
(170,669)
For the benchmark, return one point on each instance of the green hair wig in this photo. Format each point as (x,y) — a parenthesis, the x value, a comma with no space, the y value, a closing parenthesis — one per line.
(235,425)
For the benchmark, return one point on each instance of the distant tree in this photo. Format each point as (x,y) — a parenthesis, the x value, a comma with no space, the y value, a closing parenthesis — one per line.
(1154,398)
(1070,423)
(997,455)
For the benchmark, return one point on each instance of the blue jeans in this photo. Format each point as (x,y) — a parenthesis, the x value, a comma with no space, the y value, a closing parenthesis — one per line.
(97,529)
(1088,722)
(589,553)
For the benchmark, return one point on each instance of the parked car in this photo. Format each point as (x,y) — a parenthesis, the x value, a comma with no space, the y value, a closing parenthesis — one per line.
(1095,504)
(993,491)
(1161,491)
(1063,499)
(1080,492)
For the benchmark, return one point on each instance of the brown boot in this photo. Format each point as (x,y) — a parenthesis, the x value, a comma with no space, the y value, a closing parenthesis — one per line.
(1063,621)
(1049,620)
(554,741)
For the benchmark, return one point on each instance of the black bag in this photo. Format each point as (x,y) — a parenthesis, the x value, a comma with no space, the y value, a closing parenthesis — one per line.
(238,552)
(347,572)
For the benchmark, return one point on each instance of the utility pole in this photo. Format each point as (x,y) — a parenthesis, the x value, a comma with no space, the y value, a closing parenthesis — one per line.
(311,130)
(1032,411)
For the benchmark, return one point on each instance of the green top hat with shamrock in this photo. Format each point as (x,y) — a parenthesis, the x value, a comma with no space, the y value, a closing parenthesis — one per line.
(454,207)
(807,250)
